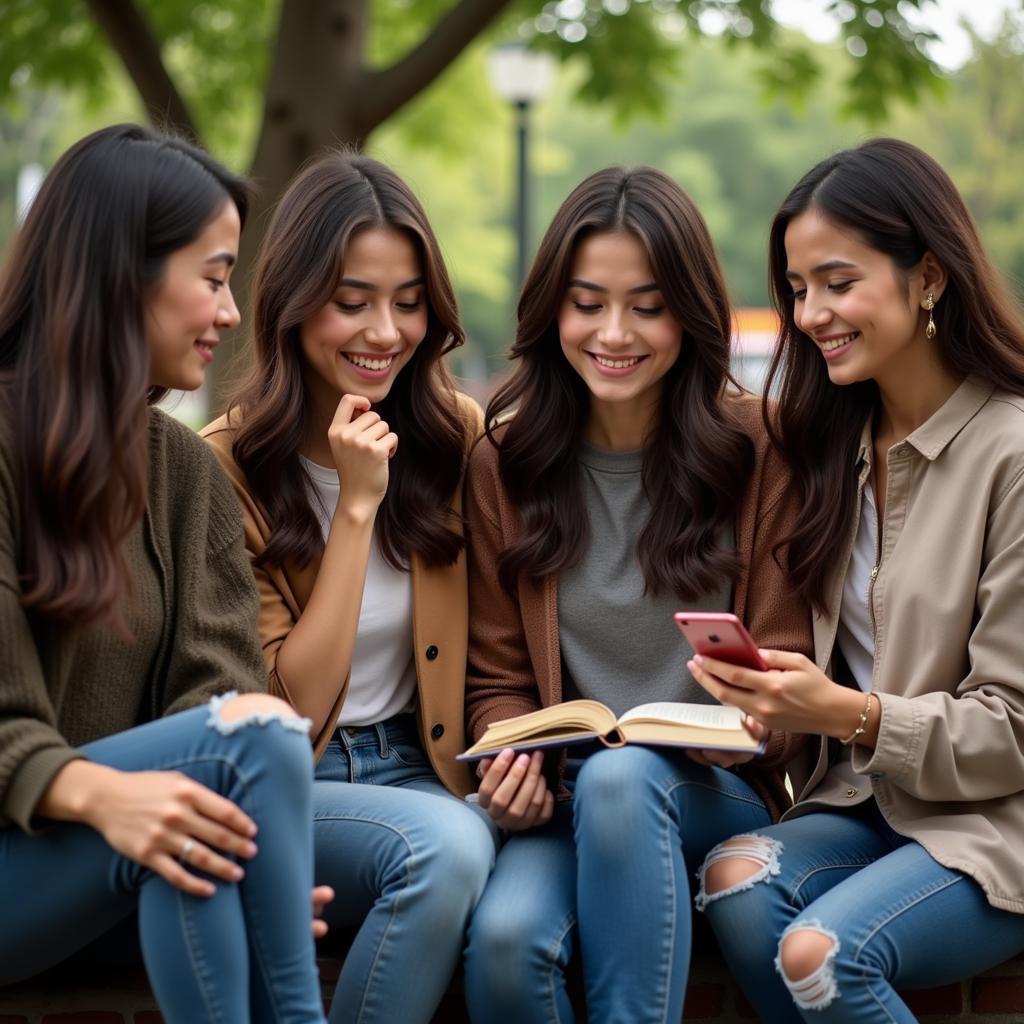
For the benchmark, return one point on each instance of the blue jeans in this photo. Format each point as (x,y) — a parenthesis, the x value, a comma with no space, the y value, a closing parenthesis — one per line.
(408,863)
(243,954)
(897,918)
(612,866)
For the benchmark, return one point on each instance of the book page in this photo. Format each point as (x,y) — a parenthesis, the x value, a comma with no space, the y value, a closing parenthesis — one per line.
(701,716)
(582,715)
(574,721)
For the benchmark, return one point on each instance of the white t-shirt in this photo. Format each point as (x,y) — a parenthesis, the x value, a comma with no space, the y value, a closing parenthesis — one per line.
(854,633)
(383,679)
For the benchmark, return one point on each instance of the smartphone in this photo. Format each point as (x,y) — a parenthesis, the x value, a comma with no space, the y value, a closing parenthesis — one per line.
(720,635)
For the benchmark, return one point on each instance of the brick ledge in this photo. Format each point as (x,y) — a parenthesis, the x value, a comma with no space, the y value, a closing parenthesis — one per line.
(123,997)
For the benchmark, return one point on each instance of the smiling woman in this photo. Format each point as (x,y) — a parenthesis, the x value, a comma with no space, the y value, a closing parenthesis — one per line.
(866,320)
(361,340)
(617,334)
(127,608)
(901,409)
(192,303)
(347,448)
(623,475)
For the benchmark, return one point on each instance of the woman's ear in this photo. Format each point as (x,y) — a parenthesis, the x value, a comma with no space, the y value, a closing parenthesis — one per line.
(933,278)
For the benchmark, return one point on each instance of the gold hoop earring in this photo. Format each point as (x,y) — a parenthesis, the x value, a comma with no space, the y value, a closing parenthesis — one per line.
(929,304)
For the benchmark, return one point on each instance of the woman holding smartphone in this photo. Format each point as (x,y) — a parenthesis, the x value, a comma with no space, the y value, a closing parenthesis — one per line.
(628,482)
(901,374)
(347,448)
(132,778)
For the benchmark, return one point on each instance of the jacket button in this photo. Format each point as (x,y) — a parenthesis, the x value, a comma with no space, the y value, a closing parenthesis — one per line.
(431,652)
(437,731)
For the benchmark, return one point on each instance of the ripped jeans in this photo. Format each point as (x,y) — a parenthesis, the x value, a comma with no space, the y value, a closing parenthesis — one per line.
(245,953)
(896,918)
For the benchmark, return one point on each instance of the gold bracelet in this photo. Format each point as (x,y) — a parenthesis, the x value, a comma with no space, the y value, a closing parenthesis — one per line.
(862,724)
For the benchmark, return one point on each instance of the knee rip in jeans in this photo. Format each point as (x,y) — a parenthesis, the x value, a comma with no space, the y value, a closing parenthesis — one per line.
(262,714)
(754,858)
(802,952)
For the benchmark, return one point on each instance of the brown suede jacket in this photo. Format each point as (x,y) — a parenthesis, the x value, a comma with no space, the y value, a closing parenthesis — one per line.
(514,653)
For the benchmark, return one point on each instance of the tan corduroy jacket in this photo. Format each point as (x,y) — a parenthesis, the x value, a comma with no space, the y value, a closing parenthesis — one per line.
(948,610)
(514,653)
(439,618)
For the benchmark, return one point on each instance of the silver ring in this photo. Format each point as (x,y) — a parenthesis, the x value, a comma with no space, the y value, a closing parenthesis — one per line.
(186,849)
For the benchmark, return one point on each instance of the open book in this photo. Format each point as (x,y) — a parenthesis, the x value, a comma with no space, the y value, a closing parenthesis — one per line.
(664,724)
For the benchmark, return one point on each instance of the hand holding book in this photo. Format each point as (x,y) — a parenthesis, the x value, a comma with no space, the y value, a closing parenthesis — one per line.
(701,727)
(514,792)
(731,758)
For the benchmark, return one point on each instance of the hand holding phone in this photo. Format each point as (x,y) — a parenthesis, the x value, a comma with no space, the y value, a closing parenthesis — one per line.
(720,635)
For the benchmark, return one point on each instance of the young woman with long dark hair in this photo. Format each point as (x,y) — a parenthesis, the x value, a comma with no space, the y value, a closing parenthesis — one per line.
(347,448)
(623,477)
(131,778)
(901,380)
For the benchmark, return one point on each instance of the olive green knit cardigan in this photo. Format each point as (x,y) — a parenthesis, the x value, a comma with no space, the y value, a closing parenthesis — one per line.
(193,611)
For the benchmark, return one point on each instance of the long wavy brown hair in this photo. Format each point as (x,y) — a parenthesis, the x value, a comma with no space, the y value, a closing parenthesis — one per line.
(74,360)
(297,273)
(900,202)
(696,461)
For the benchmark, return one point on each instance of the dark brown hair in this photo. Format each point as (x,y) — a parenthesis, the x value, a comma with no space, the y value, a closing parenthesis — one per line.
(74,360)
(900,202)
(696,461)
(298,270)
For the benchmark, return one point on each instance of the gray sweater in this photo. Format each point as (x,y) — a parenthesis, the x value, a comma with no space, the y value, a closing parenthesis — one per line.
(618,644)
(193,613)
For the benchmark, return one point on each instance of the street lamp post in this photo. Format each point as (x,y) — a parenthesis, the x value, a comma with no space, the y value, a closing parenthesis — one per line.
(522,188)
(521,77)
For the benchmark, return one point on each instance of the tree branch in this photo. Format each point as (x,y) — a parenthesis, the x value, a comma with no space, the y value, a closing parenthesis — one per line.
(389,89)
(135,42)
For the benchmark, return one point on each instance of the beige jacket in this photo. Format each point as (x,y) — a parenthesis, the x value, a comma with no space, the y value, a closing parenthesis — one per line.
(439,618)
(948,608)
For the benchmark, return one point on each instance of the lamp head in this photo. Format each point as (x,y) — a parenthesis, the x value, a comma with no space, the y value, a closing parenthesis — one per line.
(519,74)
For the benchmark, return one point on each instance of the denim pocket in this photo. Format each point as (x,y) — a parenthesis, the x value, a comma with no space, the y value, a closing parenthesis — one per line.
(334,765)
(409,753)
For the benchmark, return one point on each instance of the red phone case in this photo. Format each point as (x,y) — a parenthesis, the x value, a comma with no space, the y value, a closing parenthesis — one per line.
(720,635)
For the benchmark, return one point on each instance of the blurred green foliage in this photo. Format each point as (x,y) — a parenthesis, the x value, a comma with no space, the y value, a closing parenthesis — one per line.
(736,150)
(219,53)
(647,81)
(979,137)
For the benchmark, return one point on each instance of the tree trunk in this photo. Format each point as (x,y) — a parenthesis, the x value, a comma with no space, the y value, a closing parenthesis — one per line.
(131,36)
(321,94)
(311,103)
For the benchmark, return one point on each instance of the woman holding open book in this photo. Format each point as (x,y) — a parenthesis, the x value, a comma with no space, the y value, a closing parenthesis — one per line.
(901,372)
(628,482)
